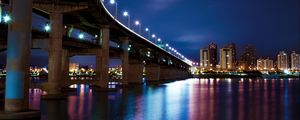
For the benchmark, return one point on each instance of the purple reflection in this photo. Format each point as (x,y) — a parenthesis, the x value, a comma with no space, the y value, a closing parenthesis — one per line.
(208,99)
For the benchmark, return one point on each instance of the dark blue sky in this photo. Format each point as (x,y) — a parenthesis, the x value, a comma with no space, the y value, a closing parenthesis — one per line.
(188,25)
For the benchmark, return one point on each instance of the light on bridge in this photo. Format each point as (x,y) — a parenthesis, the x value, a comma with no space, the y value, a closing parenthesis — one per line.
(137,22)
(47,28)
(167,45)
(112,1)
(147,29)
(158,39)
(6,18)
(81,36)
(125,13)
(153,36)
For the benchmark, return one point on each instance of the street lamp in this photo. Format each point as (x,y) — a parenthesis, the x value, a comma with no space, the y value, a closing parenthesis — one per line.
(137,23)
(154,37)
(126,14)
(116,10)
(166,46)
(148,31)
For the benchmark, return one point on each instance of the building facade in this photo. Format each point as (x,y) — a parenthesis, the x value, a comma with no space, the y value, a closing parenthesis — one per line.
(212,50)
(265,64)
(232,46)
(226,59)
(204,59)
(295,61)
(282,61)
(248,59)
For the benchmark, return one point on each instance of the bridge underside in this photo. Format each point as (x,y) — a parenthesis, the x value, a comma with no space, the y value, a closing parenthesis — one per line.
(139,56)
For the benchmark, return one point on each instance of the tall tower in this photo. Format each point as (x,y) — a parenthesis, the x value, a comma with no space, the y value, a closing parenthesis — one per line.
(282,61)
(204,58)
(247,60)
(212,50)
(295,61)
(226,58)
(232,46)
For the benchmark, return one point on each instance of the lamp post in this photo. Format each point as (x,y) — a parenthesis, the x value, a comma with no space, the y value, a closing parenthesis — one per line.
(148,32)
(154,36)
(116,7)
(137,23)
(126,14)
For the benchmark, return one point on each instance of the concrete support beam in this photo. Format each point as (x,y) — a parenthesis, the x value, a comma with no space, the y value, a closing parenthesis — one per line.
(65,68)
(125,59)
(165,73)
(135,73)
(55,53)
(102,58)
(152,72)
(18,55)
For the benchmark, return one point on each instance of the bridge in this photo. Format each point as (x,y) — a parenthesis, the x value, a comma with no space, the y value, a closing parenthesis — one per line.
(138,54)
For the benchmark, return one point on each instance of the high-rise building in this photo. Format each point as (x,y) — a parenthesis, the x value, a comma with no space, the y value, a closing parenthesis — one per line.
(204,58)
(282,61)
(265,64)
(247,60)
(226,59)
(74,67)
(232,46)
(295,61)
(212,50)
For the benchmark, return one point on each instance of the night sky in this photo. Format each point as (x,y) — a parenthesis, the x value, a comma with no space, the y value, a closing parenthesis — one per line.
(188,25)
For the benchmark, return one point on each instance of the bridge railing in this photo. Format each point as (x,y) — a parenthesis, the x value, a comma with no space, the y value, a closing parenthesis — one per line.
(100,2)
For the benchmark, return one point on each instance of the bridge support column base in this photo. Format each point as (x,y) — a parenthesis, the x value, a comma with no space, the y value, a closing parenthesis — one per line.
(152,73)
(28,115)
(135,74)
(165,73)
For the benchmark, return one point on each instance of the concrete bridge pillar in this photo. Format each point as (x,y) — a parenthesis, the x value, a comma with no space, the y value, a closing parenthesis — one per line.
(65,68)
(18,55)
(152,73)
(125,59)
(55,55)
(135,72)
(165,73)
(102,58)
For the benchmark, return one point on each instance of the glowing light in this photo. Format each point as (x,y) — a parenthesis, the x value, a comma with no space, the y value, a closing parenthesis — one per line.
(137,22)
(125,13)
(287,72)
(153,35)
(81,36)
(47,28)
(158,39)
(6,18)
(167,45)
(147,29)
(112,1)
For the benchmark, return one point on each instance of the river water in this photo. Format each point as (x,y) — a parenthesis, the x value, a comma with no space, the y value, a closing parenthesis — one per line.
(194,99)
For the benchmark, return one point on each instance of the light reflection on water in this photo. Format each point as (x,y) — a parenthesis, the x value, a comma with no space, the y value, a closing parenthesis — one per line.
(195,99)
